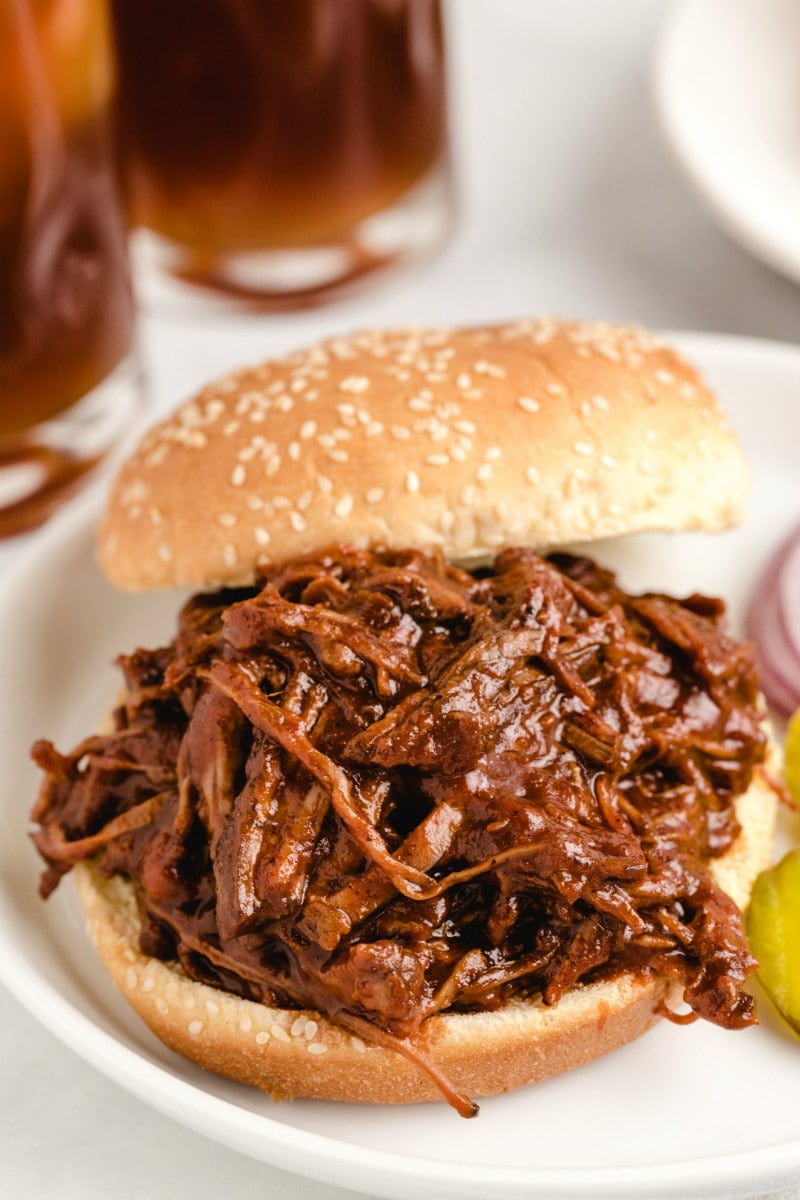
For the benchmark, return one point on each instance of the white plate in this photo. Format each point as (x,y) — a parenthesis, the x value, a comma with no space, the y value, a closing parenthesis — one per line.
(727,83)
(682,1113)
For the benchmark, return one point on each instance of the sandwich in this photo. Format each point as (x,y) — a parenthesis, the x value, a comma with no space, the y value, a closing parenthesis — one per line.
(420,802)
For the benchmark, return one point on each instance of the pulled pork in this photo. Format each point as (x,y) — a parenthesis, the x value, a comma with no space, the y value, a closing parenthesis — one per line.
(382,787)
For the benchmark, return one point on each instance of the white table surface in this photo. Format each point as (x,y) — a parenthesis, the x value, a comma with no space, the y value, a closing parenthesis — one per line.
(569,204)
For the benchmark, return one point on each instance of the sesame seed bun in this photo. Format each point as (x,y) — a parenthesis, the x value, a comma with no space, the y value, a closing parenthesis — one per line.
(300,1053)
(539,433)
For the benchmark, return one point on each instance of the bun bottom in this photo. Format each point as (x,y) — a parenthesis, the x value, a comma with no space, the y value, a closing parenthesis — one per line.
(299,1053)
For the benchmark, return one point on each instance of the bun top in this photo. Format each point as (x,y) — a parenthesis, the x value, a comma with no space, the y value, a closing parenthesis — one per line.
(540,433)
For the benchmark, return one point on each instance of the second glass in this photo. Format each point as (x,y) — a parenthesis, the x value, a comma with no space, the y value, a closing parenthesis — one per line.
(281,148)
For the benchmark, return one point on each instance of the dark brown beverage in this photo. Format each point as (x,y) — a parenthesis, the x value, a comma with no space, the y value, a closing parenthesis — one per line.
(66,312)
(252,125)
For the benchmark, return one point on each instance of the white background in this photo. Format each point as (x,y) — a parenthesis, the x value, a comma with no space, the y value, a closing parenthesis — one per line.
(570,204)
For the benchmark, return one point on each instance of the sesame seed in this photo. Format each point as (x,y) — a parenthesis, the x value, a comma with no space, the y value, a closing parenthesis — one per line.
(665,377)
(324,483)
(273,464)
(298,522)
(463,382)
(311,1028)
(229,555)
(317,1048)
(419,404)
(262,1037)
(254,503)
(245,1024)
(401,432)
(354,384)
(528,404)
(468,494)
(261,535)
(156,456)
(357,1045)
(297,1026)
(483,472)
(412,481)
(162,1005)
(304,500)
(338,455)
(284,404)
(344,506)
(293,450)
(493,453)
(374,429)
(281,503)
(601,403)
(131,978)
(609,461)
(437,460)
(164,553)
(212,1008)
(308,429)
(231,428)
(279,1033)
(375,495)
(646,467)
(492,369)
(195,1027)
(465,426)
(532,475)
(555,389)
(583,448)
(148,984)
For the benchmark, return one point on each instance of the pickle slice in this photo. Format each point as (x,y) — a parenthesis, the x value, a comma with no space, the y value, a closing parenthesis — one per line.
(773,927)
(792,757)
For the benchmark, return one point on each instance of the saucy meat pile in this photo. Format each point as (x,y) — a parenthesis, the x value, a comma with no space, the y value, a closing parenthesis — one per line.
(383,787)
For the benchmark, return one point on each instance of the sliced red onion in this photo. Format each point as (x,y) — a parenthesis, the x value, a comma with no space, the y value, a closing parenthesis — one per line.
(773,623)
(789,591)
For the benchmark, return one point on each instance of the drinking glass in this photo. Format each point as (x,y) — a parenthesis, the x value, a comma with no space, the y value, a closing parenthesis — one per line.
(69,378)
(279,149)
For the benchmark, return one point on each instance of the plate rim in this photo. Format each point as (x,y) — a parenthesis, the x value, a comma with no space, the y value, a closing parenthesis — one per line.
(328,1158)
(734,217)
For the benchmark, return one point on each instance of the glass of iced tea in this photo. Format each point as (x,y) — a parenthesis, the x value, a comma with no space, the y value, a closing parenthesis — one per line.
(68,376)
(279,149)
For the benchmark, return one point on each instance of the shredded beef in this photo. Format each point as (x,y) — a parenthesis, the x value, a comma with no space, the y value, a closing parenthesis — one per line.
(381,787)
